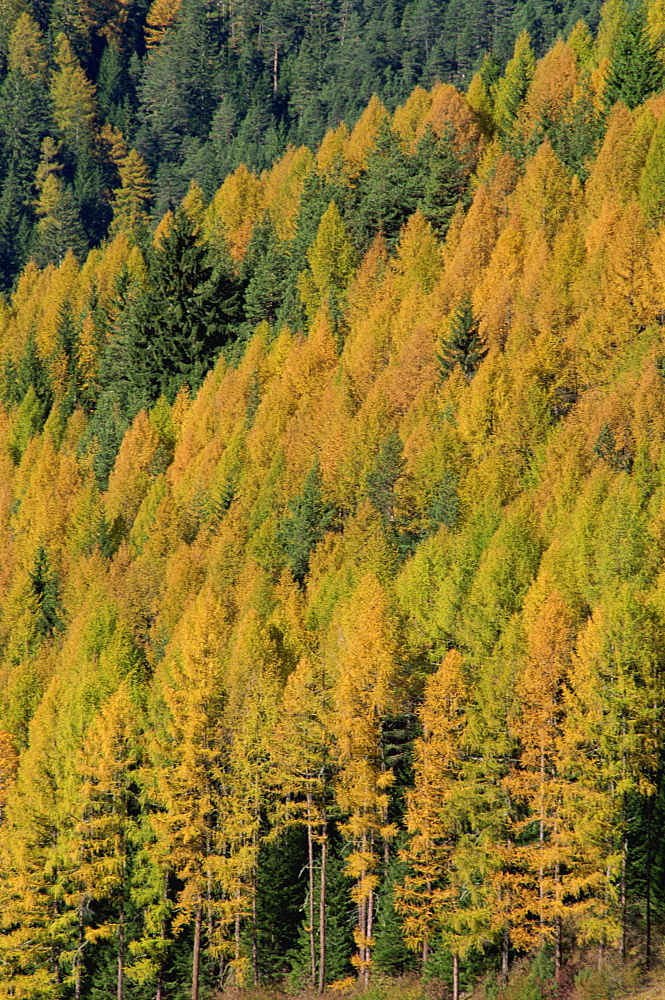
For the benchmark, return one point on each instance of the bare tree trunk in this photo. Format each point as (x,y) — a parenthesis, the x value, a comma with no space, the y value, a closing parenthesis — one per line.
(159,995)
(505,945)
(322,907)
(310,865)
(197,951)
(362,909)
(255,942)
(237,926)
(370,929)
(647,943)
(79,950)
(121,950)
(624,895)
(275,63)
(558,940)
(455,976)
(541,839)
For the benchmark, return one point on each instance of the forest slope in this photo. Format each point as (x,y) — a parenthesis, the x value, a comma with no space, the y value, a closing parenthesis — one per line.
(331,521)
(102,103)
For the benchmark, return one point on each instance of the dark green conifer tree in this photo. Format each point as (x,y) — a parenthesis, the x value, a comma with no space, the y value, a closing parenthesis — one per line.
(14,230)
(46,590)
(304,526)
(174,324)
(445,179)
(391,954)
(463,346)
(636,70)
(380,482)
(267,270)
(91,196)
(388,191)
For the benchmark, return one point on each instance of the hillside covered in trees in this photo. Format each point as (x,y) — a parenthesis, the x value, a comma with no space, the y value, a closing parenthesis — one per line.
(105,102)
(331,528)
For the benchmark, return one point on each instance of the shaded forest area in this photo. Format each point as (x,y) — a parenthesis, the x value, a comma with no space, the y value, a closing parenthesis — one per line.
(331,531)
(100,98)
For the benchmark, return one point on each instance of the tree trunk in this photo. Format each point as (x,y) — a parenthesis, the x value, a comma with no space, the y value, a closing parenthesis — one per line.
(255,941)
(322,907)
(624,896)
(159,995)
(541,840)
(647,942)
(310,865)
(505,946)
(197,951)
(558,941)
(455,976)
(370,930)
(121,951)
(237,932)
(79,951)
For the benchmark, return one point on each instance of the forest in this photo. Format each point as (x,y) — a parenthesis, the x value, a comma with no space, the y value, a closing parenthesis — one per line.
(332,600)
(99,98)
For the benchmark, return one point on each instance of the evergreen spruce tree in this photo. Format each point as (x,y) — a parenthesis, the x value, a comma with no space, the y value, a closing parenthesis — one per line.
(174,323)
(637,69)
(388,191)
(445,179)
(463,346)
(46,591)
(305,525)
(381,479)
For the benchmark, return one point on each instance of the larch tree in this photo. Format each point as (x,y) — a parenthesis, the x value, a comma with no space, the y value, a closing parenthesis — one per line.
(332,261)
(190,756)
(302,766)
(437,905)
(73,95)
(27,51)
(534,782)
(368,662)
(106,836)
(513,86)
(607,750)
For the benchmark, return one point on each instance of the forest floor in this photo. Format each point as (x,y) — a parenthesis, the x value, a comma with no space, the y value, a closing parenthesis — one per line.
(583,981)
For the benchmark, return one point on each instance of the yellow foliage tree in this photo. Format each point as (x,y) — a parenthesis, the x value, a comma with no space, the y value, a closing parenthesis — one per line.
(368,664)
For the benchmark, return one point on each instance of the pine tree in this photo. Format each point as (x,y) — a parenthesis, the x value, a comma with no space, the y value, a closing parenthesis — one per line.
(388,467)
(636,69)
(389,190)
(305,525)
(46,594)
(464,346)
(445,179)
(175,323)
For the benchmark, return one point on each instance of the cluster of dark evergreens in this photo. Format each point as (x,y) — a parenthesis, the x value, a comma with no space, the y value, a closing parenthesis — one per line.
(220,85)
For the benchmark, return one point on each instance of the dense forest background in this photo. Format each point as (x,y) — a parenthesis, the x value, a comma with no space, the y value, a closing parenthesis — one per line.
(194,88)
(331,510)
